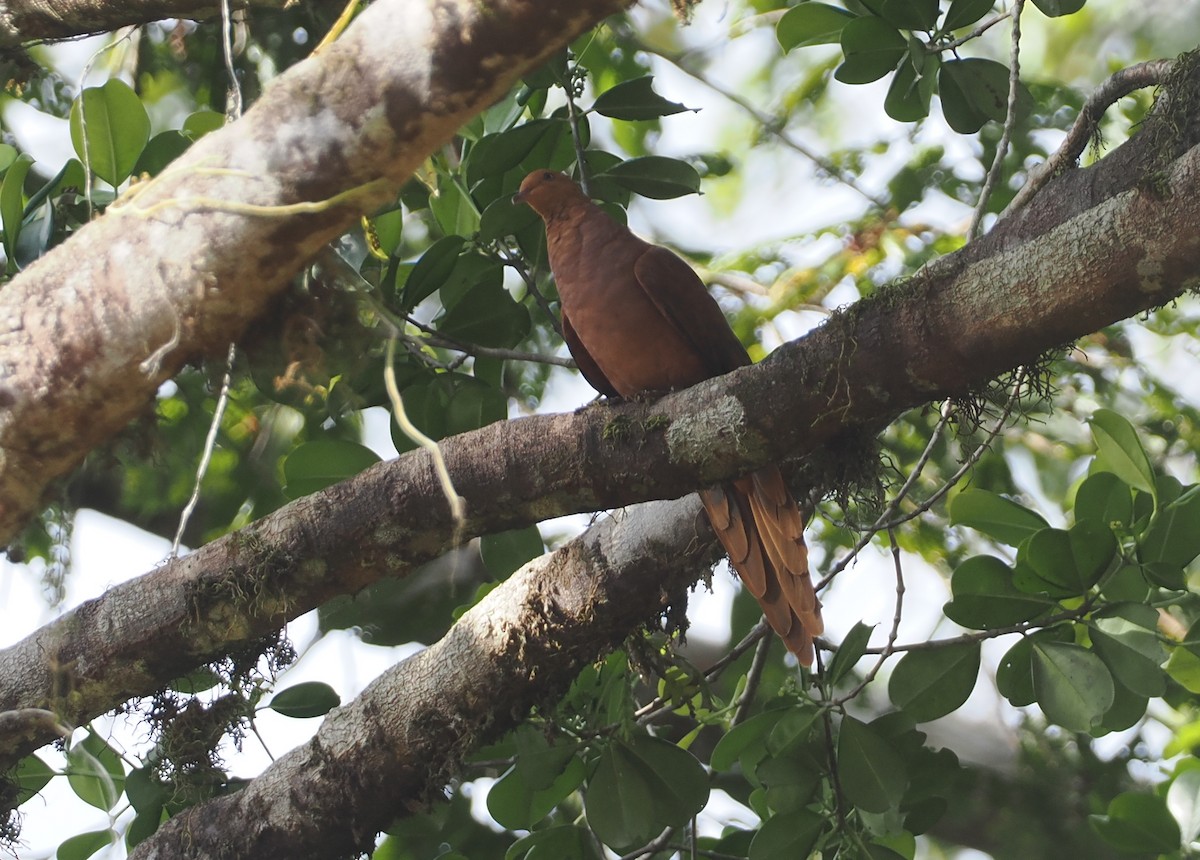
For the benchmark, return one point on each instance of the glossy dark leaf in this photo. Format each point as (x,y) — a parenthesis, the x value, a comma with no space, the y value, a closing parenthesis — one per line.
(931,684)
(635,100)
(964,13)
(655,177)
(973,91)
(995,516)
(115,127)
(811,24)
(1073,686)
(984,596)
(872,47)
(305,700)
(321,463)
(505,552)
(872,774)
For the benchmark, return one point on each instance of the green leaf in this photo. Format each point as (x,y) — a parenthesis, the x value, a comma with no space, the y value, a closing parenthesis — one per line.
(1184,668)
(495,154)
(964,13)
(1073,686)
(872,47)
(202,122)
(872,773)
(911,14)
(84,845)
(12,205)
(1105,498)
(931,684)
(431,271)
(1173,536)
(1014,675)
(518,804)
(794,727)
(1138,823)
(564,842)
(321,463)
(305,700)
(811,24)
(655,177)
(787,836)
(1121,451)
(746,741)
(31,776)
(1058,8)
(505,552)
(1125,639)
(95,773)
(1183,801)
(486,316)
(162,149)
(503,218)
(449,404)
(995,516)
(8,154)
(145,791)
(1066,563)
(984,596)
(973,91)
(117,129)
(641,788)
(452,208)
(635,100)
(909,94)
(389,229)
(853,646)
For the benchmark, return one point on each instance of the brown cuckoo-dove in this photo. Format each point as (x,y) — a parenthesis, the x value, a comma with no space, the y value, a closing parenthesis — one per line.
(637,318)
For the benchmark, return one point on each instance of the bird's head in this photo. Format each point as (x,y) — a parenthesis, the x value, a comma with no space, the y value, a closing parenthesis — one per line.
(549,192)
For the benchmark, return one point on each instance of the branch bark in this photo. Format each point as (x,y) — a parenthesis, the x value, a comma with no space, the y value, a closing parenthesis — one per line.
(89,332)
(405,735)
(49,20)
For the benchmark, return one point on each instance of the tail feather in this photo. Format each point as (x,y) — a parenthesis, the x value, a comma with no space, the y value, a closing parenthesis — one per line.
(762,529)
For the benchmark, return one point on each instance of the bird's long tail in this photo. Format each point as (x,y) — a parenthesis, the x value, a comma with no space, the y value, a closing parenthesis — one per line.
(760,526)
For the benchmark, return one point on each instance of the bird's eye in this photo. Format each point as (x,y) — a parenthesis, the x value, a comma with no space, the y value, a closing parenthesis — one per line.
(547,175)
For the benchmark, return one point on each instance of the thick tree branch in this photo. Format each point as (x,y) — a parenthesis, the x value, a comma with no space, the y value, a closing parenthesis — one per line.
(409,730)
(89,332)
(48,20)
(995,305)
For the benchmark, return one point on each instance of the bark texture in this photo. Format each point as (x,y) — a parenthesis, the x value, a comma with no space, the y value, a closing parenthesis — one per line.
(48,20)
(394,747)
(89,332)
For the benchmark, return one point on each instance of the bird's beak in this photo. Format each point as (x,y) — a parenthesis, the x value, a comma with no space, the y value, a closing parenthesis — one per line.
(519,197)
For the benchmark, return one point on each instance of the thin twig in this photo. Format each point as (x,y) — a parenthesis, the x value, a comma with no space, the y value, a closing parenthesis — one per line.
(936,47)
(510,259)
(885,520)
(753,677)
(1010,118)
(233,110)
(457,503)
(972,458)
(573,115)
(210,444)
(1122,83)
(658,843)
(890,647)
